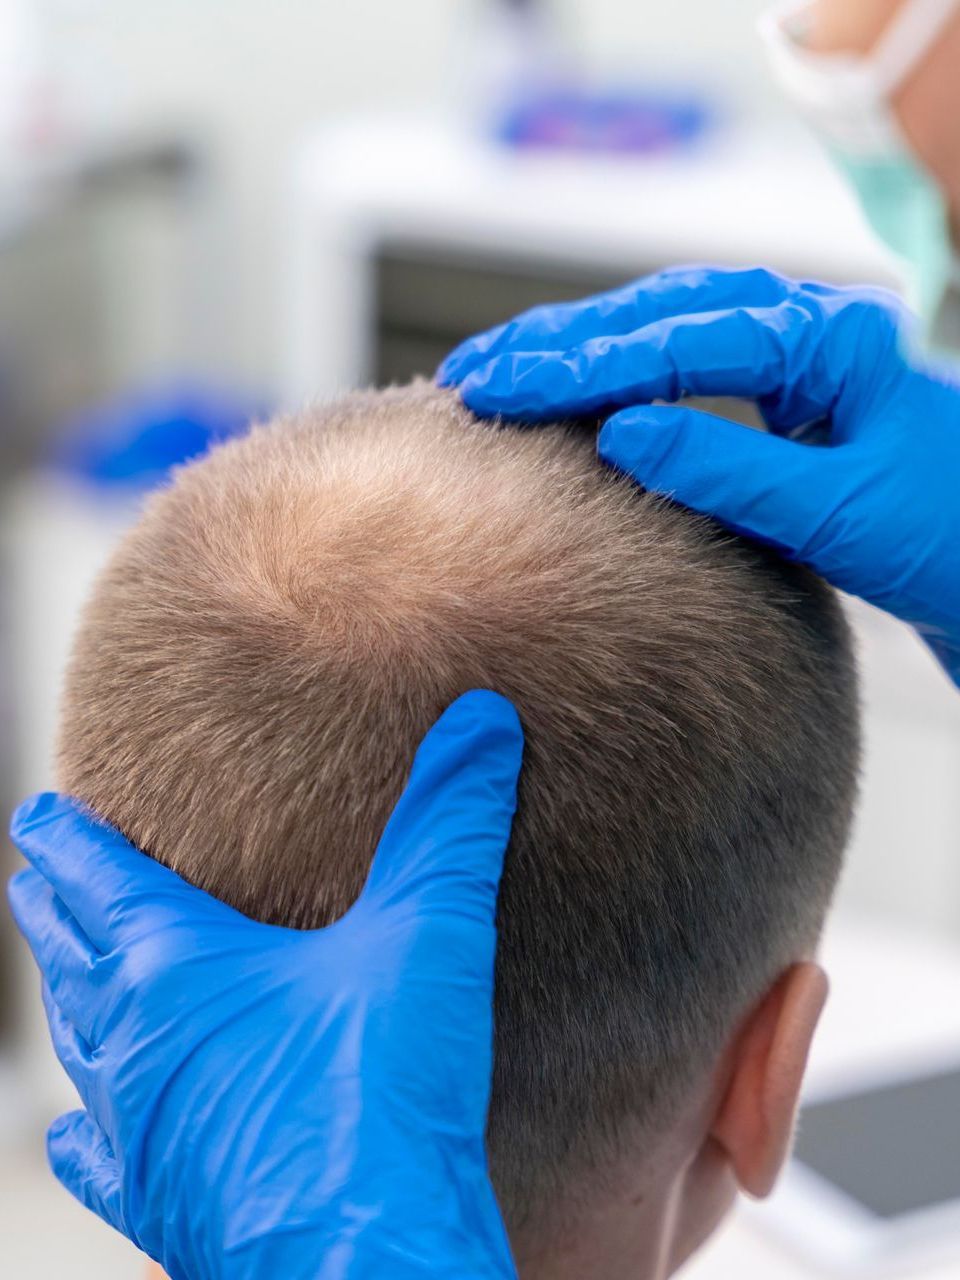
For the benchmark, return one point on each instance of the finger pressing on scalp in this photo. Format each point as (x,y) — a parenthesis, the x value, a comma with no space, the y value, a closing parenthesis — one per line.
(769,488)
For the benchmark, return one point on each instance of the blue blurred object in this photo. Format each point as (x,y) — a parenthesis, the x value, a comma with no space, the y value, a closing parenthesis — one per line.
(135,440)
(619,122)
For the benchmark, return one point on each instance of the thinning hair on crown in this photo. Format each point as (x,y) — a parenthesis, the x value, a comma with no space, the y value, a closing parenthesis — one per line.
(262,656)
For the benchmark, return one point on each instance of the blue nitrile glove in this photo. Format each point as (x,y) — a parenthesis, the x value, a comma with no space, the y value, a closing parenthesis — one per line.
(873,505)
(265,1103)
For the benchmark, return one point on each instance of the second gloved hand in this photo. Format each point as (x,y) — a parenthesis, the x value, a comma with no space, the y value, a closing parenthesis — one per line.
(870,498)
(265,1103)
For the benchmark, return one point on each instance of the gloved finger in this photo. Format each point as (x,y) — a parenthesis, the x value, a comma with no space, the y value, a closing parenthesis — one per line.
(771,489)
(101,879)
(62,951)
(749,352)
(83,1161)
(444,843)
(74,1053)
(677,291)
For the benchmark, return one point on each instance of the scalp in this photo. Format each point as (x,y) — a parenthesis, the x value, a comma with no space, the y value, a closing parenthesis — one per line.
(268,646)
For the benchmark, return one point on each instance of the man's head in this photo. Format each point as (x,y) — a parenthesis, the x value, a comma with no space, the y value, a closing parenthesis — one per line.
(269,645)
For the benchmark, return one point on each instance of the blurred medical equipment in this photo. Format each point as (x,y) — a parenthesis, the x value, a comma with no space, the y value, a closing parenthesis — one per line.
(848,100)
(629,121)
(328,1110)
(823,364)
(531,91)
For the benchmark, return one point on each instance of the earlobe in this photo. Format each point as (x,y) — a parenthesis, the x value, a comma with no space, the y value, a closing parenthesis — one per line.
(755,1120)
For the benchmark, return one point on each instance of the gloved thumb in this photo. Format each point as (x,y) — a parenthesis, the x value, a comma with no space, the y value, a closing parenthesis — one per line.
(82,1160)
(443,848)
(775,490)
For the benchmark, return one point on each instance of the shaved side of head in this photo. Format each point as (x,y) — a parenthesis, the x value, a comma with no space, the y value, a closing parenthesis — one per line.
(268,646)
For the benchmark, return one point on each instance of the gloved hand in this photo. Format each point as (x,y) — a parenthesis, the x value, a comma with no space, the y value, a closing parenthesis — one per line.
(876,511)
(265,1103)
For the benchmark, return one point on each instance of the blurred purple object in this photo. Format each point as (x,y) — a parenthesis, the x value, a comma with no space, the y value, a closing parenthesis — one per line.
(634,123)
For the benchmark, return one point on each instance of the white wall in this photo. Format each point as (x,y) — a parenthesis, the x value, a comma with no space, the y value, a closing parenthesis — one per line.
(253,74)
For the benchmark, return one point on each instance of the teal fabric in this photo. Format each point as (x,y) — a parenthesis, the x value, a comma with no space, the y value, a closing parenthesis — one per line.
(907,210)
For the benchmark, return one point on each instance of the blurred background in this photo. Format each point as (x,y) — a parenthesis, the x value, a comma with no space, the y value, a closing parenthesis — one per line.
(209,210)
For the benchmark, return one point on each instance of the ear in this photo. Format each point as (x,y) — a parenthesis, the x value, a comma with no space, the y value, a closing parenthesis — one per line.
(755,1121)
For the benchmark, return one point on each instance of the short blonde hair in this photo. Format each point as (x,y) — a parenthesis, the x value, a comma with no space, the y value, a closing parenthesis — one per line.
(268,646)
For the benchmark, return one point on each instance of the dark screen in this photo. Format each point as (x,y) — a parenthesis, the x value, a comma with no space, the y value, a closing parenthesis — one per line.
(894,1149)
